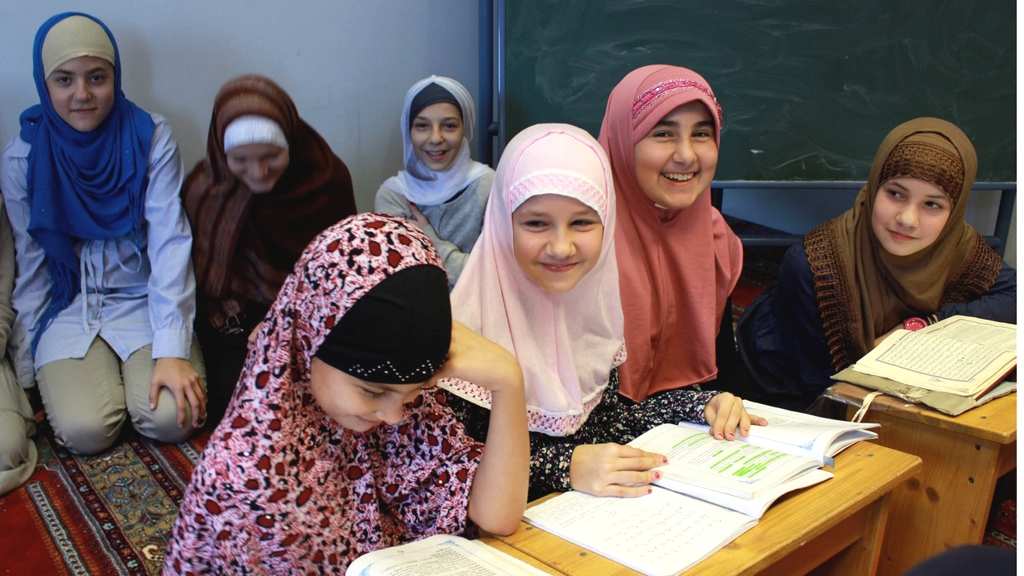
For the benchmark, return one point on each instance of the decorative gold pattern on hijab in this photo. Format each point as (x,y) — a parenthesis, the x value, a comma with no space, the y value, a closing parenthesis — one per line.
(863,291)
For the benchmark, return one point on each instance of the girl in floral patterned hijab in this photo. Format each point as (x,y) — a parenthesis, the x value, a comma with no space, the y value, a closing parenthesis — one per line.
(335,443)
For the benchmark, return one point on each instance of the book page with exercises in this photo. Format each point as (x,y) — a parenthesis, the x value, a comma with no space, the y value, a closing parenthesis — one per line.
(739,469)
(959,355)
(441,555)
(660,534)
(755,506)
(804,434)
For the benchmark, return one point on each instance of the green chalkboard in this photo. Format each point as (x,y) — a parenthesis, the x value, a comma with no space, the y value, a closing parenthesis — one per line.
(809,87)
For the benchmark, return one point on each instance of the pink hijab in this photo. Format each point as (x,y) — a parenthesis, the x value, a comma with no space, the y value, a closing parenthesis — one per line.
(675,275)
(566,343)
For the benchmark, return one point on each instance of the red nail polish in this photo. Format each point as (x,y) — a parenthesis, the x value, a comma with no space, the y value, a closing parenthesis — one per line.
(650,491)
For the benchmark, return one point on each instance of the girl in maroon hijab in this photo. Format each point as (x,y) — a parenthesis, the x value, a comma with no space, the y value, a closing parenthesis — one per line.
(268,185)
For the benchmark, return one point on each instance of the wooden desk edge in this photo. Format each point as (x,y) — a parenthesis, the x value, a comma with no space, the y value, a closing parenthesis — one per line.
(734,558)
(498,544)
(978,422)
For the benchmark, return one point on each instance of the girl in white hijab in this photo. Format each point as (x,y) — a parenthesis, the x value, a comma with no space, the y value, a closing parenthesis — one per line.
(442,189)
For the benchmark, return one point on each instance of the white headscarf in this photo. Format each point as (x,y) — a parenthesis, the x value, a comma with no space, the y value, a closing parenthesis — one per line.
(566,343)
(421,185)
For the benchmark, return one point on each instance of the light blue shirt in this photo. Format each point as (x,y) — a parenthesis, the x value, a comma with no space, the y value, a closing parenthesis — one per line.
(130,295)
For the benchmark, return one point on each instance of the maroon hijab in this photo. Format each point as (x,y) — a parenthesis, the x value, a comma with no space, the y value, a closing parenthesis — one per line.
(245,244)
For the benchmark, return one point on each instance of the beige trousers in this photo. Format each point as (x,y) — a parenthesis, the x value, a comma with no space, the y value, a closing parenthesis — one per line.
(17,451)
(87,399)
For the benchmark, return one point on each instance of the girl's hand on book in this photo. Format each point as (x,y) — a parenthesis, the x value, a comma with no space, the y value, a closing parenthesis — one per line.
(613,470)
(725,413)
(887,334)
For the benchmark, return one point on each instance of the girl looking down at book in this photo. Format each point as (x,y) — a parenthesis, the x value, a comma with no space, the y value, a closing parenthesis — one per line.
(269,183)
(336,443)
(678,259)
(543,283)
(441,189)
(901,257)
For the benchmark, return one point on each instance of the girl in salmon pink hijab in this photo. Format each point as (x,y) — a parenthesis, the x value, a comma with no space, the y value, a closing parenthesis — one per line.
(678,259)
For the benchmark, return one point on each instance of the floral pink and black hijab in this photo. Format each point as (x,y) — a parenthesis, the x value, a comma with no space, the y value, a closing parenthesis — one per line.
(281,486)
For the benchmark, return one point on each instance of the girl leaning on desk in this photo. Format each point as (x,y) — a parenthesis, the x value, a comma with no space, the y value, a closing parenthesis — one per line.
(902,257)
(336,443)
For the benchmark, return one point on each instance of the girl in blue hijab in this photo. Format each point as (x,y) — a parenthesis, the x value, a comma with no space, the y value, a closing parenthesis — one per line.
(105,294)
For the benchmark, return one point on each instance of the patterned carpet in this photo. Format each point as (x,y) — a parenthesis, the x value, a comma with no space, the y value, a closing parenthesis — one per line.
(112,513)
(91,515)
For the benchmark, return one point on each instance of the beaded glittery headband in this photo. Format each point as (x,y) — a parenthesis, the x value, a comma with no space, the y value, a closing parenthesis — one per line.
(652,94)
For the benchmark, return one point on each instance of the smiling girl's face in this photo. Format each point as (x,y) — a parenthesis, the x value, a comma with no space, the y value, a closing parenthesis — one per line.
(259,166)
(356,404)
(82,91)
(556,240)
(908,215)
(436,135)
(675,162)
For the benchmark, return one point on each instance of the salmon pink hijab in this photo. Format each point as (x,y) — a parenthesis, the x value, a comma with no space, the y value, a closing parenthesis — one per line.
(676,273)
(566,343)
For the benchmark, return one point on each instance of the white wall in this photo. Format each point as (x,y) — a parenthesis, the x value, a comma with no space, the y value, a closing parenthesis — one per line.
(346,63)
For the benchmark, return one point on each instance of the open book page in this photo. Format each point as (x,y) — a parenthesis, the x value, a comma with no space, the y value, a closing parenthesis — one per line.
(804,434)
(737,468)
(440,555)
(756,506)
(999,335)
(660,534)
(959,355)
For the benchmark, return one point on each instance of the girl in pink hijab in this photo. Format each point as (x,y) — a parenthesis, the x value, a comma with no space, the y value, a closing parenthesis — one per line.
(678,259)
(543,282)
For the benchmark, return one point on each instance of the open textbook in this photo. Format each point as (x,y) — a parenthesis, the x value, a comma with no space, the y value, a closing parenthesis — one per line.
(441,555)
(960,355)
(714,490)
(660,534)
(748,474)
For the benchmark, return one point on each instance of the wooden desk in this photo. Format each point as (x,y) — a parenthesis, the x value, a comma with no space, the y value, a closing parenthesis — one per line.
(835,526)
(494,542)
(963,456)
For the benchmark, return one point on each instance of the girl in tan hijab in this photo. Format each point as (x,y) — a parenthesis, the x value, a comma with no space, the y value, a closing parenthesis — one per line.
(902,257)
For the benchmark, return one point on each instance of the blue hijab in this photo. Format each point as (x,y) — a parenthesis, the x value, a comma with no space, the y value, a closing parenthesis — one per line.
(81,185)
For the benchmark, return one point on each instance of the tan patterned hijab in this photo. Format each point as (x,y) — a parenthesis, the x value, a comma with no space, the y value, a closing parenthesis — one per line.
(864,291)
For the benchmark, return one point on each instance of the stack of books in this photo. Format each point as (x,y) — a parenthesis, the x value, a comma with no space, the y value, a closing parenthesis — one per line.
(952,365)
